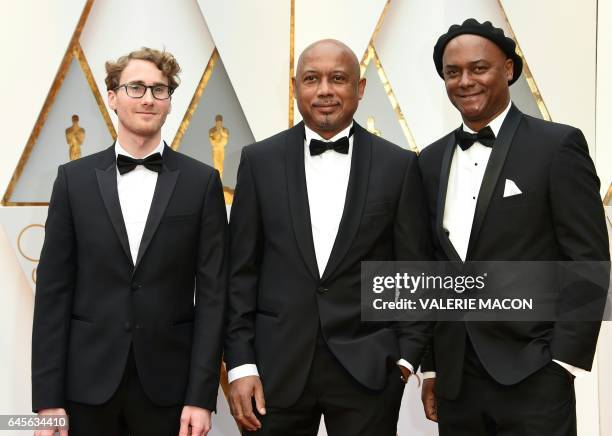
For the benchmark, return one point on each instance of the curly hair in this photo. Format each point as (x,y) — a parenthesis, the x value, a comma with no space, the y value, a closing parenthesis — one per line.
(163,60)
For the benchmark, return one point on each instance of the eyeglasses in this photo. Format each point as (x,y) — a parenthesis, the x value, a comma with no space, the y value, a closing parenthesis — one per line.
(138,90)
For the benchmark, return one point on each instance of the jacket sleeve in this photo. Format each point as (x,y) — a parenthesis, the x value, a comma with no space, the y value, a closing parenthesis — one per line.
(246,235)
(412,242)
(55,284)
(579,223)
(210,299)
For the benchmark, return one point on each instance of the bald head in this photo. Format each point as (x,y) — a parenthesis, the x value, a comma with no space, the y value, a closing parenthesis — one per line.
(329,47)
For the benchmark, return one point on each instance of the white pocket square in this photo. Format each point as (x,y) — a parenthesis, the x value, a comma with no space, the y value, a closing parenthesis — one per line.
(511,189)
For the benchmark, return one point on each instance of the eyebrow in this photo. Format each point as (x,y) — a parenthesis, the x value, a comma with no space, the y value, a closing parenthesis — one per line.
(141,82)
(469,63)
(312,71)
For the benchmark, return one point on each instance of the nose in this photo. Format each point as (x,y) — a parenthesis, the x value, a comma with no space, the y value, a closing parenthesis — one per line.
(148,98)
(324,88)
(466,80)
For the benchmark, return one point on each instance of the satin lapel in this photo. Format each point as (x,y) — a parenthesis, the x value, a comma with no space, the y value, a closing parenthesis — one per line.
(447,159)
(166,181)
(355,199)
(298,197)
(106,173)
(492,172)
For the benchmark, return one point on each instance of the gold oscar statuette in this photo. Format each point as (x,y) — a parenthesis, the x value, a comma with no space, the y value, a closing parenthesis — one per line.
(219,137)
(75,135)
(371,127)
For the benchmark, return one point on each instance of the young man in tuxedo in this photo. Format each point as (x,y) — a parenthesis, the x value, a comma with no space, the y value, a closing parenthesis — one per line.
(132,235)
(506,186)
(311,203)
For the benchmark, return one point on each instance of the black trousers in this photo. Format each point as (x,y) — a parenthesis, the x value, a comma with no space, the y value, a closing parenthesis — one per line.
(348,408)
(129,412)
(544,404)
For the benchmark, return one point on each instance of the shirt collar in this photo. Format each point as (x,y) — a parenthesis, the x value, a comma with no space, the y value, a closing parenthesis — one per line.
(120,150)
(311,134)
(496,123)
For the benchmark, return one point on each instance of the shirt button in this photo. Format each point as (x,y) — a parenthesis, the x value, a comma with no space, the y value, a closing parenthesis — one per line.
(127,326)
(473,198)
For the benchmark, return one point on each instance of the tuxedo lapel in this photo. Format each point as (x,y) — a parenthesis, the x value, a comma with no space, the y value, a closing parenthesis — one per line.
(106,173)
(492,172)
(298,197)
(166,181)
(355,199)
(442,233)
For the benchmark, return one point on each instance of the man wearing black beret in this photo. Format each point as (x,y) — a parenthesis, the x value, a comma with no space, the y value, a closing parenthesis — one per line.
(506,186)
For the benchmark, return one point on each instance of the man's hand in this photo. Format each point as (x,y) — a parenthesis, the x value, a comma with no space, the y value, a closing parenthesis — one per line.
(405,373)
(51,432)
(428,396)
(242,391)
(195,419)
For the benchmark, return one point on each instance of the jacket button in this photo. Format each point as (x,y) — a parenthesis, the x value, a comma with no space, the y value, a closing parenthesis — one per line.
(127,326)
(322,290)
(136,286)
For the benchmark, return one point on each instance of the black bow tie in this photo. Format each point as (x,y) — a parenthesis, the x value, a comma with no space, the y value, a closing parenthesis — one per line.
(465,139)
(125,164)
(341,145)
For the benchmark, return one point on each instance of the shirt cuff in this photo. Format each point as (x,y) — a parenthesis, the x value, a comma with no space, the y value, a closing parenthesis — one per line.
(429,374)
(573,370)
(242,371)
(406,364)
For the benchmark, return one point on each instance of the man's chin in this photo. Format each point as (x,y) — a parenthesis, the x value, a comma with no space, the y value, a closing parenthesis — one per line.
(325,126)
(147,130)
(471,114)
(330,124)
(324,121)
(468,108)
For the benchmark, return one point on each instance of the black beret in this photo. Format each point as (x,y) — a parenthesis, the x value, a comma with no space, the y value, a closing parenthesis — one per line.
(486,30)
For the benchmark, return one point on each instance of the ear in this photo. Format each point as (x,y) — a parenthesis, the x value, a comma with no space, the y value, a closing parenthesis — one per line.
(361,87)
(112,99)
(509,67)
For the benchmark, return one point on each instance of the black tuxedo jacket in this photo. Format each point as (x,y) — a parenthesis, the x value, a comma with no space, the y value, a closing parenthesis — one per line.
(93,304)
(278,302)
(558,217)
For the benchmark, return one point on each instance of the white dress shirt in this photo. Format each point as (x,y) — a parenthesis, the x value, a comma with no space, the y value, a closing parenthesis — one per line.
(327,177)
(464,180)
(136,190)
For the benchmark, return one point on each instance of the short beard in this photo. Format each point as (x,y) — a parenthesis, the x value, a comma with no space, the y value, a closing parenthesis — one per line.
(325,124)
